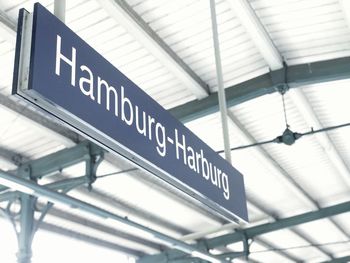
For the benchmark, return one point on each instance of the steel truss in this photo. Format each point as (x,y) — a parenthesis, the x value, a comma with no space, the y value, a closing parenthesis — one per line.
(23,220)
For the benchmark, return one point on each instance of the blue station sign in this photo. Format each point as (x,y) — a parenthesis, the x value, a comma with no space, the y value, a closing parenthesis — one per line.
(59,72)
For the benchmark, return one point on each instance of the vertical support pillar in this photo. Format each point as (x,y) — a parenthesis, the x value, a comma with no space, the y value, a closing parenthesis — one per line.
(221,90)
(26,223)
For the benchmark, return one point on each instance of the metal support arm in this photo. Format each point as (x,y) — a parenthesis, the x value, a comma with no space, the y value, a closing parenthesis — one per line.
(56,162)
(64,158)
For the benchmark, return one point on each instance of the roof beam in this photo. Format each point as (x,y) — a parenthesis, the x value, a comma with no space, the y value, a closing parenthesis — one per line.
(296,76)
(259,230)
(137,27)
(257,32)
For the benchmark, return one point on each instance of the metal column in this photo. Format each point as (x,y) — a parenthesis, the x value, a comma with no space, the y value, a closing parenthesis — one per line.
(221,90)
(25,227)
(60,9)
(25,234)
